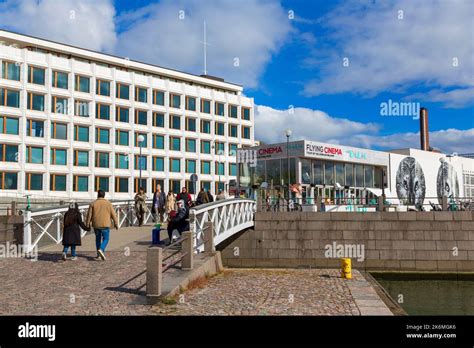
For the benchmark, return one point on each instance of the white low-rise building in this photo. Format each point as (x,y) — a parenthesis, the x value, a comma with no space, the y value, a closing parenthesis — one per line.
(71,120)
(339,174)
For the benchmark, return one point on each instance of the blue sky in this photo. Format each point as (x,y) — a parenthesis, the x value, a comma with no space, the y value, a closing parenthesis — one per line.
(291,53)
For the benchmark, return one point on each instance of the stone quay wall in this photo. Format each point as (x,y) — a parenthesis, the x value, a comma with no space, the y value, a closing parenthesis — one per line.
(391,241)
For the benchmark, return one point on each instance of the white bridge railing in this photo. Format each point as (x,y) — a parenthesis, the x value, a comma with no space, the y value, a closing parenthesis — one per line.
(227,217)
(48,222)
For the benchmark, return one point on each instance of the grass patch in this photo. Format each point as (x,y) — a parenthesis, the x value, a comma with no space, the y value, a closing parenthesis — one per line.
(168,300)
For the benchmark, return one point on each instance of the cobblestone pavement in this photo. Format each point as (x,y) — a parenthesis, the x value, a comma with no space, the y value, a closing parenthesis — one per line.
(51,286)
(86,287)
(268,292)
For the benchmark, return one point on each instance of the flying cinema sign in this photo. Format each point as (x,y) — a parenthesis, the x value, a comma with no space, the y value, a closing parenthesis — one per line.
(269,151)
(272,151)
(322,150)
(294,149)
(343,153)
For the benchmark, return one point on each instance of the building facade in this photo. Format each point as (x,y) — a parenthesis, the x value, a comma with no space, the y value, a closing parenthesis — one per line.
(337,173)
(73,121)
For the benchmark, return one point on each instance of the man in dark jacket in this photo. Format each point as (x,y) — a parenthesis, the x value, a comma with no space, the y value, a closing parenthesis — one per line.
(210,197)
(179,221)
(159,202)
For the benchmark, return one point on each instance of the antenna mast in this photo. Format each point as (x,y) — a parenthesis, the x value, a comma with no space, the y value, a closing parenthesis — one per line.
(205,44)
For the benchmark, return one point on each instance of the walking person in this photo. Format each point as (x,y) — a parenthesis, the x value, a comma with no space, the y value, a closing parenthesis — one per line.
(100,216)
(220,196)
(185,196)
(210,197)
(202,197)
(140,205)
(179,220)
(170,204)
(72,230)
(159,202)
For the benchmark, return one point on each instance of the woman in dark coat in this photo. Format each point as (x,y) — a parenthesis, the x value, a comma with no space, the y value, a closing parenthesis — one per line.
(179,220)
(72,230)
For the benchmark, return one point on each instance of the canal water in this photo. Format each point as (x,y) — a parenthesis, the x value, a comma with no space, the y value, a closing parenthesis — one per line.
(447,295)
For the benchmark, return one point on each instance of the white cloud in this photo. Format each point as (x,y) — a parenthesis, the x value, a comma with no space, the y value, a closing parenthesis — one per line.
(249,31)
(84,23)
(242,36)
(270,125)
(390,54)
(457,98)
(316,125)
(448,140)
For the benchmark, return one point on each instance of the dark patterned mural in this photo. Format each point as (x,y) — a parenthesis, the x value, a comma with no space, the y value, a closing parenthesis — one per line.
(410,182)
(447,182)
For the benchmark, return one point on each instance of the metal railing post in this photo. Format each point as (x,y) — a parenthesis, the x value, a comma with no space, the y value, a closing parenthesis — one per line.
(319,201)
(118,215)
(192,225)
(58,227)
(444,203)
(27,231)
(209,237)
(187,247)
(381,203)
(154,272)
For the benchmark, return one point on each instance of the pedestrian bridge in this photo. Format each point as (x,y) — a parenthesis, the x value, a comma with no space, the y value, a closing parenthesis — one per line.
(227,217)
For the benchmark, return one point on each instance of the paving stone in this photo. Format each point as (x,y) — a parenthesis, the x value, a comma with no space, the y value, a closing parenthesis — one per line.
(50,286)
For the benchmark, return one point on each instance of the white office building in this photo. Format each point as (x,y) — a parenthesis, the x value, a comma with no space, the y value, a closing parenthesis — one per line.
(73,121)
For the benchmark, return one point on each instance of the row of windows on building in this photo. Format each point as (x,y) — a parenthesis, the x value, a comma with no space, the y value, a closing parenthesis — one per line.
(80,183)
(468,185)
(59,130)
(122,114)
(60,80)
(128,69)
(318,172)
(81,158)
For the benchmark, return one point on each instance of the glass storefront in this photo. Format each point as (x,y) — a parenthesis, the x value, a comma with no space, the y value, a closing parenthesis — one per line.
(333,180)
(328,173)
(305,171)
(318,175)
(349,167)
(274,172)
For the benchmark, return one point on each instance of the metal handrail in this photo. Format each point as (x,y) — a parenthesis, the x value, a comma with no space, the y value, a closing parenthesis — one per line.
(54,214)
(177,241)
(167,266)
(228,217)
(216,204)
(171,264)
(461,203)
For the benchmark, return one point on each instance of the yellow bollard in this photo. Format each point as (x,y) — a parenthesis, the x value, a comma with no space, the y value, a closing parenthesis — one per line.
(346,268)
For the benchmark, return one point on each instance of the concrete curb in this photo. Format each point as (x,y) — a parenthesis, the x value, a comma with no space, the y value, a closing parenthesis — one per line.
(205,266)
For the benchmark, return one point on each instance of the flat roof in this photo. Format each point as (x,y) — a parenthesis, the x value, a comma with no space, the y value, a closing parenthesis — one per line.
(85,53)
(313,149)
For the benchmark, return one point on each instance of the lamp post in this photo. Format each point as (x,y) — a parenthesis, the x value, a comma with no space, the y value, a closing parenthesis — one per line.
(140,139)
(288,134)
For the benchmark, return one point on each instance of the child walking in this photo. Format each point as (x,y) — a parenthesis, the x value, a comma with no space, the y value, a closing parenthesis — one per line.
(72,230)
